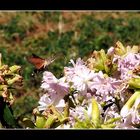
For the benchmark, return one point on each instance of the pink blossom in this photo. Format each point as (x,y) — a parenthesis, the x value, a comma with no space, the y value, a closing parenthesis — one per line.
(46,100)
(48,78)
(126,64)
(89,83)
(111,51)
(111,112)
(80,112)
(56,89)
(79,75)
(50,82)
(131,117)
(106,87)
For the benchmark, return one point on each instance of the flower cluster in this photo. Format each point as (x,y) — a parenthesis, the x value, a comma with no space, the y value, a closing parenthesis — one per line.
(10,79)
(102,92)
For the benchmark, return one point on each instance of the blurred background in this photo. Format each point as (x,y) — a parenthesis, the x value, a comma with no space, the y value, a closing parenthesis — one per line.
(72,33)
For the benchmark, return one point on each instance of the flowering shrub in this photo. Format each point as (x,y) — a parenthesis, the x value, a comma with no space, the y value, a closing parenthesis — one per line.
(101,92)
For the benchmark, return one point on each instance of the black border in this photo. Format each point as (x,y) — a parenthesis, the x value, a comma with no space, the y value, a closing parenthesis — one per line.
(69,5)
(69,134)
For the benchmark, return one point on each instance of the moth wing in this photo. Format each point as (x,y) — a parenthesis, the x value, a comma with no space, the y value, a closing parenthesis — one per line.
(50,60)
(36,61)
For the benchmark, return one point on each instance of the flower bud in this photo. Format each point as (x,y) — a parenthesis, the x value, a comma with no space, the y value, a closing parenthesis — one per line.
(134,83)
(95,113)
(17,78)
(125,109)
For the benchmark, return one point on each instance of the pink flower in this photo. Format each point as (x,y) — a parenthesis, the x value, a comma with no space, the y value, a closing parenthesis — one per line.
(111,112)
(89,83)
(56,89)
(50,82)
(80,112)
(48,78)
(46,100)
(126,64)
(79,75)
(105,87)
(131,117)
(111,51)
(69,71)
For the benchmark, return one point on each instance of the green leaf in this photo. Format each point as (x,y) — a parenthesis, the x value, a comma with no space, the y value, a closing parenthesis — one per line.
(112,120)
(50,120)
(8,117)
(108,126)
(28,123)
(40,121)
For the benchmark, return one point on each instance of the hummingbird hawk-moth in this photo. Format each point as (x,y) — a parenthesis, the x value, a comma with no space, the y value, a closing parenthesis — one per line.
(40,63)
